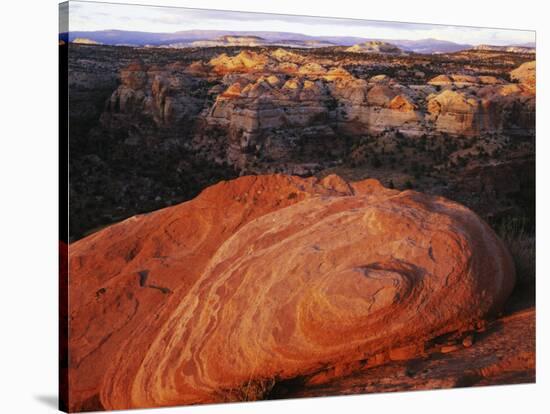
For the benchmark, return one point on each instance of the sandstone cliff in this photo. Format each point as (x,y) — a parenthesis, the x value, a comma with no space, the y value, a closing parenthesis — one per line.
(151,93)
(471,105)
(277,104)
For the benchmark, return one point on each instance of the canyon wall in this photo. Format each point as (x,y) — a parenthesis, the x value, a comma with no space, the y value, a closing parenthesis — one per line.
(281,105)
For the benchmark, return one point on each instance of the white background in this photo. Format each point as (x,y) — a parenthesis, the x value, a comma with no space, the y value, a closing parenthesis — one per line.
(28,204)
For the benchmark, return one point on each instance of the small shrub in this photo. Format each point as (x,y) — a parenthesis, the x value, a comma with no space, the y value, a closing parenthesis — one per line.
(520,242)
(376,163)
(252,390)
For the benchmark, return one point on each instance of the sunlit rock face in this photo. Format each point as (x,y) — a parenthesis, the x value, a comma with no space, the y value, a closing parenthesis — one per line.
(526,75)
(285,107)
(267,278)
(471,105)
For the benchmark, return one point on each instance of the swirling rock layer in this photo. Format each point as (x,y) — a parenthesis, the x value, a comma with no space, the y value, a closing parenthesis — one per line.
(264,279)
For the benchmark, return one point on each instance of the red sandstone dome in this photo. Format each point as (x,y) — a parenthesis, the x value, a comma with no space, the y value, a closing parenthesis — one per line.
(267,278)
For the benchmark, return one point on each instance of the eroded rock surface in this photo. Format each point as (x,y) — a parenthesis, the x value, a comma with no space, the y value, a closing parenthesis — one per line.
(264,279)
(153,95)
(282,105)
(502,352)
(526,75)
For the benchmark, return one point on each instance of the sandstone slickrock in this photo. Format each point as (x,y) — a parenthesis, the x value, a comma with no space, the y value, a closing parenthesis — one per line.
(504,353)
(266,278)
(245,61)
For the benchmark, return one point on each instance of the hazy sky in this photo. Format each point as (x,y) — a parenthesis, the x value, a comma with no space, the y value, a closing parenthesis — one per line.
(102,16)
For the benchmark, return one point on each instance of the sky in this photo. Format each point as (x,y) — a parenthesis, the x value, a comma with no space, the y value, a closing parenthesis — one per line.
(89,16)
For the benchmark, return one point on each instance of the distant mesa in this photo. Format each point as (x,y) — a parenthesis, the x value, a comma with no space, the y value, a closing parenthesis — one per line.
(230,40)
(220,38)
(374,46)
(85,41)
(216,38)
(513,49)
(240,39)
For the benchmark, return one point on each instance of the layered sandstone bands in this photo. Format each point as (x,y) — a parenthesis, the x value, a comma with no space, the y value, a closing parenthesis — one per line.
(263,279)
(279,104)
(456,104)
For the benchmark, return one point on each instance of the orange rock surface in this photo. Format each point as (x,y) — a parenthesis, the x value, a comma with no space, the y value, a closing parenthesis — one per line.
(267,278)
(526,75)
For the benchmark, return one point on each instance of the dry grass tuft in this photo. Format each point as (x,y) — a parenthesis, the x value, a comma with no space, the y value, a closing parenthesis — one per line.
(252,390)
